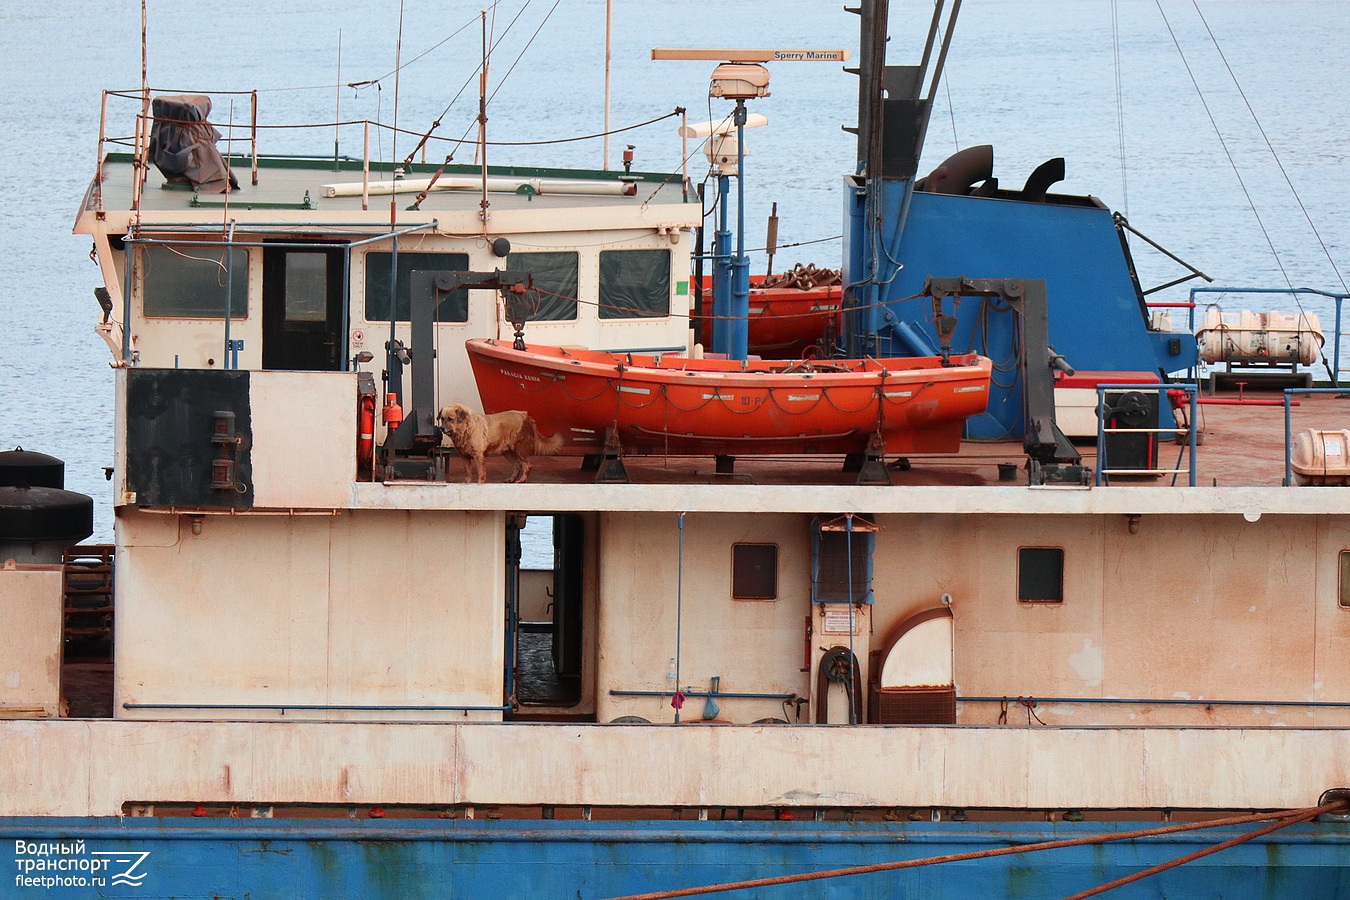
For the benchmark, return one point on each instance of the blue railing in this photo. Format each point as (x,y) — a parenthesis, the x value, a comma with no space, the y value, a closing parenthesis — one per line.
(1337,298)
(1192,392)
(1288,431)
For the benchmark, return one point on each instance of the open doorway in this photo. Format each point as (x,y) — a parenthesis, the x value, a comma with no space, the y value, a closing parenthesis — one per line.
(545,577)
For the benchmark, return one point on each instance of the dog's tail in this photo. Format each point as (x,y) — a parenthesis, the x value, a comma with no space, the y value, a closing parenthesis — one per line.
(543,446)
(549,445)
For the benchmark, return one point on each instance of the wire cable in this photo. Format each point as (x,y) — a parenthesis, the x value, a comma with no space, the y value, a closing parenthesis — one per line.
(1224,144)
(1271,148)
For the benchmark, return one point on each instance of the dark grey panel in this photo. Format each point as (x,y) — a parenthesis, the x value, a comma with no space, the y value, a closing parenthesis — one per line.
(170,422)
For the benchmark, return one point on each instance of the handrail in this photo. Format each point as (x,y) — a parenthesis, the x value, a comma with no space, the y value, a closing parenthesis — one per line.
(1191,390)
(1288,437)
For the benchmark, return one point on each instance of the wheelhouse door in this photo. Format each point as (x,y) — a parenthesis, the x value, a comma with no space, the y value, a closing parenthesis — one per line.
(302,309)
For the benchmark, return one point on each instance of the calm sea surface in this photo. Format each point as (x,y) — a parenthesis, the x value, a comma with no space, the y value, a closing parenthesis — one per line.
(1035,79)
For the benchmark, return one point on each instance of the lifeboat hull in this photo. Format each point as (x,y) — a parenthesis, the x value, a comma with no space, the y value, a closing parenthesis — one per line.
(673,404)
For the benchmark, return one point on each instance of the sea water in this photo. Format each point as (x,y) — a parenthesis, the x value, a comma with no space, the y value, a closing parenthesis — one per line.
(1035,78)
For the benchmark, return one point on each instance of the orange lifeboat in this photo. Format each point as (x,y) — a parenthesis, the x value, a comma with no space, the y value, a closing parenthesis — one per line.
(673,404)
(787,314)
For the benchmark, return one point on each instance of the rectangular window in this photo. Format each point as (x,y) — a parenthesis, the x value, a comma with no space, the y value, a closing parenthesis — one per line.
(634,284)
(416,272)
(754,571)
(306,287)
(1344,583)
(1040,574)
(555,280)
(841,559)
(190,282)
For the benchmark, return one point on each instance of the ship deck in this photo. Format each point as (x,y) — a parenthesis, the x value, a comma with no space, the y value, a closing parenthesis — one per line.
(1240,445)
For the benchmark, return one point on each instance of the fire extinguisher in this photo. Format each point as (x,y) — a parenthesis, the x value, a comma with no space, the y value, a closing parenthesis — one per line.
(392,413)
(365,431)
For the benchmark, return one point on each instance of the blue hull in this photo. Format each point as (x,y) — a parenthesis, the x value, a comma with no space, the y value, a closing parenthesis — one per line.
(324,858)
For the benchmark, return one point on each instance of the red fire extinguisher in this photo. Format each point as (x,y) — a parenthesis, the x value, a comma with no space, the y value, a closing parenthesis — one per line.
(393,413)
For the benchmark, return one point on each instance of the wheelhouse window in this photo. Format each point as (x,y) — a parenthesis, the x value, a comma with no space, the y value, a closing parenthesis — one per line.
(754,572)
(416,272)
(190,282)
(1344,580)
(634,284)
(555,284)
(1040,574)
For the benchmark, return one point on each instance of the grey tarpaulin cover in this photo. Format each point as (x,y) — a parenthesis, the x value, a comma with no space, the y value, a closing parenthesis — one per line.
(183,144)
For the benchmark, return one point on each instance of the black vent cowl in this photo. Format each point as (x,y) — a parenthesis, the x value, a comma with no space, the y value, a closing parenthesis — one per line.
(26,468)
(44,514)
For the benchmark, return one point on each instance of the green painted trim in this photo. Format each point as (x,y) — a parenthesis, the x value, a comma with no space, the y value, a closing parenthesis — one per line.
(347,164)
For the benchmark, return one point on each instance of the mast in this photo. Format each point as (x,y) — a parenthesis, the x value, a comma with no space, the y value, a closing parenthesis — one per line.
(609,52)
(482,126)
(894,105)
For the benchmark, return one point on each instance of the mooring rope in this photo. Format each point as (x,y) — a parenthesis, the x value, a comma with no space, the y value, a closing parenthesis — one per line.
(1284,817)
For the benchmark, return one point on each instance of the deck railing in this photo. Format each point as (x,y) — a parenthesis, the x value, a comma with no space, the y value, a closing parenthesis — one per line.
(1288,427)
(1103,472)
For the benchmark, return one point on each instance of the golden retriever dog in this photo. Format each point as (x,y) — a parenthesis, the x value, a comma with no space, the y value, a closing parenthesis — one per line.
(511,434)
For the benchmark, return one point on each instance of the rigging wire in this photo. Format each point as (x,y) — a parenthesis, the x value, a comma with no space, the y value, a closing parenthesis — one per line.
(1120,107)
(951,113)
(399,66)
(797,243)
(521,54)
(436,123)
(1251,204)
(1271,148)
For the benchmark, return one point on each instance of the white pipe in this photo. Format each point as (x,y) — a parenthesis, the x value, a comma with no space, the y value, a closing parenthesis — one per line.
(500,184)
(721,126)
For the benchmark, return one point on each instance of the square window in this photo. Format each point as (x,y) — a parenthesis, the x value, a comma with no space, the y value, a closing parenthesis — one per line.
(1040,574)
(416,271)
(190,282)
(555,281)
(634,284)
(754,572)
(1343,583)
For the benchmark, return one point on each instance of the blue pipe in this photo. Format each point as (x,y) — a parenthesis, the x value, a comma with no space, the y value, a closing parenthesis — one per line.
(229,297)
(722,271)
(346,308)
(735,695)
(1168,701)
(130,252)
(738,347)
(309,245)
(317,706)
